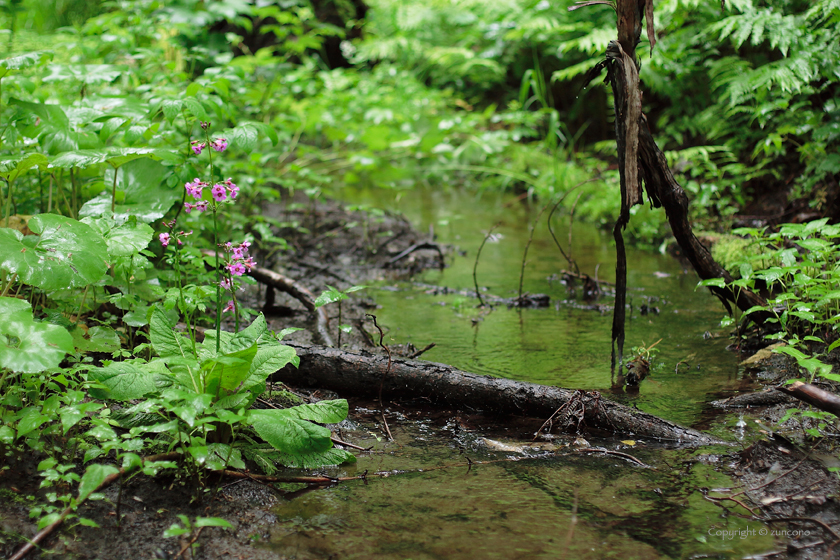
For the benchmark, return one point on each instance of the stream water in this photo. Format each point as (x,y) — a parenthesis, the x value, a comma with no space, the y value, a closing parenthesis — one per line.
(544,504)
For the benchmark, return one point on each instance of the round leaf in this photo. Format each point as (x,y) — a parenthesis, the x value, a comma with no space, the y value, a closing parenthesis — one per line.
(66,254)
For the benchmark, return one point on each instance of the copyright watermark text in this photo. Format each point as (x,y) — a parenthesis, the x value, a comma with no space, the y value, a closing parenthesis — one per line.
(731,534)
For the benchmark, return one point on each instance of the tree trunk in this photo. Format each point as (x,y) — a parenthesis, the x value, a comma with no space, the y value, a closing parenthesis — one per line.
(639,159)
(362,374)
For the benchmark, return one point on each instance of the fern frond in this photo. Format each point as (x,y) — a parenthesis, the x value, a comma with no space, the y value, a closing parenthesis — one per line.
(594,42)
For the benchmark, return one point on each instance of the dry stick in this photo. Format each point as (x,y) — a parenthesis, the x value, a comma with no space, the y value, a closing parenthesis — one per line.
(806,520)
(384,375)
(571,223)
(616,453)
(525,253)
(189,544)
(475,265)
(45,532)
(551,231)
(423,351)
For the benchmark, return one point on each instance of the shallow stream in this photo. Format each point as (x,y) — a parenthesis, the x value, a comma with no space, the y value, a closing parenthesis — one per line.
(535,503)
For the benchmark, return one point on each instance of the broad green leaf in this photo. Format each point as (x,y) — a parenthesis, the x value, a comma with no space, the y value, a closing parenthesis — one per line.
(22,61)
(31,419)
(165,340)
(86,73)
(123,381)
(7,435)
(171,108)
(316,459)
(243,136)
(66,254)
(289,434)
(325,412)
(93,478)
(98,339)
(12,168)
(715,282)
(123,240)
(28,346)
(227,372)
(814,244)
(114,156)
(195,108)
(141,192)
(217,456)
(271,354)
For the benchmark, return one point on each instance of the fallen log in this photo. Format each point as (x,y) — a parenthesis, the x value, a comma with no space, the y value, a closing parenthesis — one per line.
(814,396)
(362,374)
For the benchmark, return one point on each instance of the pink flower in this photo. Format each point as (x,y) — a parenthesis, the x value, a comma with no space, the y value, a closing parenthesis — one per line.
(197,147)
(201,205)
(234,190)
(225,284)
(219,144)
(188,207)
(195,187)
(250,263)
(238,253)
(229,307)
(236,268)
(164,239)
(219,192)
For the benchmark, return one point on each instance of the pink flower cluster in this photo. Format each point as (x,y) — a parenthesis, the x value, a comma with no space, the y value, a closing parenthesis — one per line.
(166,238)
(219,145)
(220,191)
(239,262)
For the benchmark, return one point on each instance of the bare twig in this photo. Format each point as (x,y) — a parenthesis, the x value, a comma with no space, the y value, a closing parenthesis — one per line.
(417,354)
(417,247)
(387,371)
(616,453)
(525,253)
(475,265)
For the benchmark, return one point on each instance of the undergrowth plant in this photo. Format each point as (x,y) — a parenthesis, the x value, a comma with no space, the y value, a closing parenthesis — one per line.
(798,266)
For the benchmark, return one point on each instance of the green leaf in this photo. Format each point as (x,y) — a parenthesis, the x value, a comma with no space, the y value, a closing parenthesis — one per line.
(330,296)
(227,372)
(316,459)
(244,136)
(28,346)
(7,435)
(217,456)
(325,412)
(171,108)
(212,522)
(86,73)
(98,339)
(22,61)
(714,282)
(30,420)
(67,254)
(123,381)
(93,478)
(123,240)
(141,192)
(195,108)
(165,340)
(14,167)
(289,434)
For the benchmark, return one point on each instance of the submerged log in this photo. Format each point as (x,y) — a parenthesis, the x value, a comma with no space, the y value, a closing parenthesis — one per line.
(362,374)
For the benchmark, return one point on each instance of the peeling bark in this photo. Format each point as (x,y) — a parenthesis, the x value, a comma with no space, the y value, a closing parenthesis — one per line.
(362,373)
